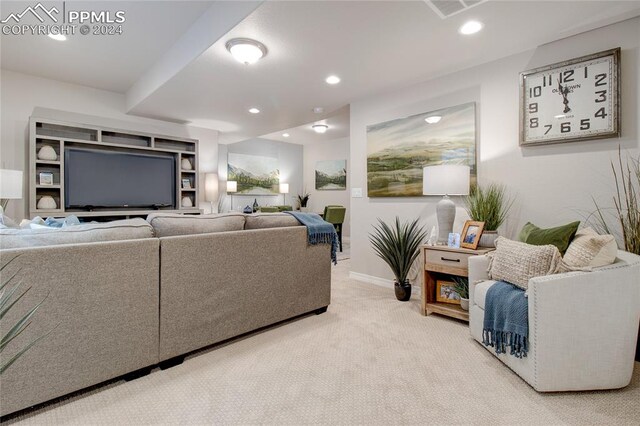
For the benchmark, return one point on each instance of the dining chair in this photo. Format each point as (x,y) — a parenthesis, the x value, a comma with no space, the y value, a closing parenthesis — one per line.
(335,215)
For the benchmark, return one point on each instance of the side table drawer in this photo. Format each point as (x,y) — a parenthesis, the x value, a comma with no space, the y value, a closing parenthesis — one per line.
(446,258)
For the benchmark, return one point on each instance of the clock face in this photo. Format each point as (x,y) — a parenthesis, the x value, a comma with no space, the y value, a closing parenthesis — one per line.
(573,100)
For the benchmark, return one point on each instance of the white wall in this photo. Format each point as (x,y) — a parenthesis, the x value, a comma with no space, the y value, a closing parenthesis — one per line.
(554,183)
(337,149)
(21,93)
(289,163)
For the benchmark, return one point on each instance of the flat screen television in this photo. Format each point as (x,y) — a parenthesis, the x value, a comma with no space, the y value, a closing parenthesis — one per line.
(105,179)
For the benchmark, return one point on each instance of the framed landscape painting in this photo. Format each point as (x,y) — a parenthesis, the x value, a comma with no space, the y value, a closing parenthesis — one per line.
(397,150)
(331,175)
(255,175)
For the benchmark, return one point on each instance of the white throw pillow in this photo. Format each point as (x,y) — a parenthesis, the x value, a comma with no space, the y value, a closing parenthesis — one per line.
(516,262)
(589,250)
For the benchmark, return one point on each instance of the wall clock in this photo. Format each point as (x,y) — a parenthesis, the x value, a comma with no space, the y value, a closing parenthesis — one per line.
(571,101)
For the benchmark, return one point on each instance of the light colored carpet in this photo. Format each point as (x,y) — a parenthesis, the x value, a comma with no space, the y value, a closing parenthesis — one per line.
(368,360)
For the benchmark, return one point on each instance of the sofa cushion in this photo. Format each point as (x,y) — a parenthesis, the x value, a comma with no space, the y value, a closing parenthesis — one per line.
(480,292)
(128,229)
(270,220)
(589,250)
(559,236)
(516,262)
(171,224)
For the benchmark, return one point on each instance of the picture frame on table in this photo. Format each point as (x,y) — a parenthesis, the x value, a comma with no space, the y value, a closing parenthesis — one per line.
(471,234)
(454,240)
(445,292)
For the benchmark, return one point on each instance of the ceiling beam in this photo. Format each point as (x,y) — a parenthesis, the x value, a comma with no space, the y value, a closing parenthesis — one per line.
(214,23)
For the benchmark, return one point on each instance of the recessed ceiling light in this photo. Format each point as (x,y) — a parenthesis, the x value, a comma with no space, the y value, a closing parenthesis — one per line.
(433,119)
(59,37)
(333,79)
(254,110)
(318,110)
(285,135)
(470,27)
(320,128)
(246,50)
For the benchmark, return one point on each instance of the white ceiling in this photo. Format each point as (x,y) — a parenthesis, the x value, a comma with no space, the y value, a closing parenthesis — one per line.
(304,135)
(374,46)
(109,62)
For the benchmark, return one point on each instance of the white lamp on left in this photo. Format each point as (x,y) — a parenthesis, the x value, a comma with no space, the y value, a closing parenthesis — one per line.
(211,188)
(10,186)
(446,179)
(284,189)
(232,186)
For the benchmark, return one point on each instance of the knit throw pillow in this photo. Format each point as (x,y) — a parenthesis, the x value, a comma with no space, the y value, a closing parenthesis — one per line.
(589,250)
(516,262)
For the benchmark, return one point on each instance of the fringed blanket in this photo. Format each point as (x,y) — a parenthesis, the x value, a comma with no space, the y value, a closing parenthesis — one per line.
(318,231)
(506,319)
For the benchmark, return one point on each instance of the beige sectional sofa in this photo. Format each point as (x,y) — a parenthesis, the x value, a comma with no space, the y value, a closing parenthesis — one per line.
(145,294)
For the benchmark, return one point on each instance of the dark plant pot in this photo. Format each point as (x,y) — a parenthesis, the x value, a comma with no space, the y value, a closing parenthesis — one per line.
(403,290)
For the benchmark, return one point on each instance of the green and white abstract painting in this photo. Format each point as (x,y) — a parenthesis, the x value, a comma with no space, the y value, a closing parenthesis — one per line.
(331,175)
(255,175)
(397,150)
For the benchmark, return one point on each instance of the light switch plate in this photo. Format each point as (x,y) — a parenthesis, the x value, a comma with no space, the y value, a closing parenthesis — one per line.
(356,192)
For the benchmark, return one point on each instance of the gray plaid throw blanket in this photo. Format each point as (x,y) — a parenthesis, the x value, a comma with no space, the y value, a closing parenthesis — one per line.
(506,319)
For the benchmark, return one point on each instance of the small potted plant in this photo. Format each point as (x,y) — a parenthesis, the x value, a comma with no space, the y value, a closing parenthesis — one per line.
(461,287)
(303,200)
(490,205)
(398,245)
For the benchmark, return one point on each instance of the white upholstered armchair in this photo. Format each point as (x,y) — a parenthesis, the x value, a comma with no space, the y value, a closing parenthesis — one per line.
(582,325)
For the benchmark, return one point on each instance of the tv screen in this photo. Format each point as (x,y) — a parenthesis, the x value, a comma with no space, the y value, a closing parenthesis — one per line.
(100,179)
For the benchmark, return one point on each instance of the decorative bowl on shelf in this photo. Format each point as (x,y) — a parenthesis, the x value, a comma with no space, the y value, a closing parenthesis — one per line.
(186,164)
(47,153)
(46,202)
(186,202)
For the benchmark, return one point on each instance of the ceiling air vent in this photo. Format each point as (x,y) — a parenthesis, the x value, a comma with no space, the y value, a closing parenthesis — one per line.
(447,8)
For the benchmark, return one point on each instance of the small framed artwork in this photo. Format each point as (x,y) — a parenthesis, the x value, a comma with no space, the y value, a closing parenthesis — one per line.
(186,183)
(445,292)
(46,178)
(454,240)
(471,234)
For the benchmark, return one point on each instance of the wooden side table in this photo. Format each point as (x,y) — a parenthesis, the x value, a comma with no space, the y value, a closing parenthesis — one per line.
(439,261)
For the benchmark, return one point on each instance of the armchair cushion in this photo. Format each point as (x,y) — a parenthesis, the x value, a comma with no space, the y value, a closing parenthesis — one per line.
(480,293)
(559,236)
(516,262)
(589,250)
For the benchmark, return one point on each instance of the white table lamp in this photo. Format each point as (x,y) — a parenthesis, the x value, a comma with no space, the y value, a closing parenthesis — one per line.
(445,180)
(232,186)
(211,188)
(284,190)
(10,186)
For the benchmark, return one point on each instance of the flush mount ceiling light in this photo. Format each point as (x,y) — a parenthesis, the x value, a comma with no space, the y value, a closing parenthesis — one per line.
(58,37)
(470,27)
(285,135)
(332,79)
(254,110)
(433,119)
(320,128)
(246,50)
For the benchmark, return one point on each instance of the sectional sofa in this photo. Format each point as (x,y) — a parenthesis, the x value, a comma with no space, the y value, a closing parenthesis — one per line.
(123,297)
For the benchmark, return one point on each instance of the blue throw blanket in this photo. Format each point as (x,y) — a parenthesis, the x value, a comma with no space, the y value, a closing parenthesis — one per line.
(506,319)
(318,231)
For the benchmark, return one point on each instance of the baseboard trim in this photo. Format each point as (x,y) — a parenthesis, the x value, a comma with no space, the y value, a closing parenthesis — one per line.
(380,282)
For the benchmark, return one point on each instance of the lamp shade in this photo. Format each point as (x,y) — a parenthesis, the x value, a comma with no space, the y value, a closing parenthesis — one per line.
(210,186)
(284,188)
(10,184)
(446,179)
(232,186)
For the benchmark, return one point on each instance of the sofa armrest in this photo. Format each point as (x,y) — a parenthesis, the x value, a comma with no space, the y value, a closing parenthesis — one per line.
(478,266)
(583,327)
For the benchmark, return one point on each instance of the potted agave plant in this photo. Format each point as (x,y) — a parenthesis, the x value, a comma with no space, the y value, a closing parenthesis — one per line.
(490,205)
(303,200)
(398,245)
